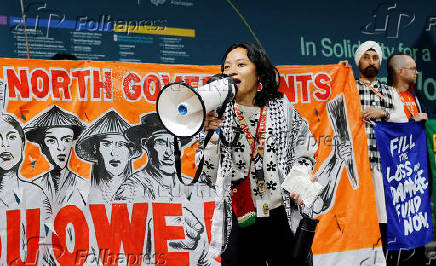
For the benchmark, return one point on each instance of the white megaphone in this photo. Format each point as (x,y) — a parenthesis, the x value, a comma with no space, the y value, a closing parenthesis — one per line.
(182,109)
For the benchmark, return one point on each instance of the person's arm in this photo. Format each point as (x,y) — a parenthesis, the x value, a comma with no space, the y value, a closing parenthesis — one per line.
(375,113)
(424,114)
(211,161)
(305,146)
(210,153)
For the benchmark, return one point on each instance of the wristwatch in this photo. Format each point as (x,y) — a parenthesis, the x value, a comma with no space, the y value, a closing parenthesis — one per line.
(387,115)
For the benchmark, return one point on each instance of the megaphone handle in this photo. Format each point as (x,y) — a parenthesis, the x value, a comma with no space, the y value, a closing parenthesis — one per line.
(220,115)
(208,136)
(177,156)
(177,153)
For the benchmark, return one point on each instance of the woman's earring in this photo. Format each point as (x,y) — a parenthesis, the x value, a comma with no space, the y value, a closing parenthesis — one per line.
(259,87)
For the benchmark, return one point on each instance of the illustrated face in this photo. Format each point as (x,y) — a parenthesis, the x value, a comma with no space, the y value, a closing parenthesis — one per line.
(11,146)
(59,142)
(114,150)
(369,64)
(163,153)
(238,66)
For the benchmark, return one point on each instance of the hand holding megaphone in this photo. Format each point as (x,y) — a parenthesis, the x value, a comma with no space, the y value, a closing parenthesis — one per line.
(183,111)
(212,121)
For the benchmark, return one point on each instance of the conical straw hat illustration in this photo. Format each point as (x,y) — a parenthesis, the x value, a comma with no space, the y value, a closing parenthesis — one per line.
(111,123)
(54,117)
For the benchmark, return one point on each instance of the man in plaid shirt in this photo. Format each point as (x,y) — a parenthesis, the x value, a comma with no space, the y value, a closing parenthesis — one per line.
(376,101)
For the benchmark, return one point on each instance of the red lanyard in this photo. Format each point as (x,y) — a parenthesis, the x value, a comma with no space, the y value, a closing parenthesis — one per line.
(373,89)
(259,137)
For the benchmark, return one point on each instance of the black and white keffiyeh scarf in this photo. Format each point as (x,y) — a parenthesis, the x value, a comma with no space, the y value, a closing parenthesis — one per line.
(287,126)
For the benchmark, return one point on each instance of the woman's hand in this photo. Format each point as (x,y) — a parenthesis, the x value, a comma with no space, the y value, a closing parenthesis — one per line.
(297,197)
(212,122)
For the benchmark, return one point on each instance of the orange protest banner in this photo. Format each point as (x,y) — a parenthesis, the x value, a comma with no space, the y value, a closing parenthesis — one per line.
(107,99)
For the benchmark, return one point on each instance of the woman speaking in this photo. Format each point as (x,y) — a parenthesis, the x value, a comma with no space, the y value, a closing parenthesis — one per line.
(262,136)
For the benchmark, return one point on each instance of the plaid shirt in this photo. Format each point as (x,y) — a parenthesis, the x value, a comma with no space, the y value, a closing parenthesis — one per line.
(369,99)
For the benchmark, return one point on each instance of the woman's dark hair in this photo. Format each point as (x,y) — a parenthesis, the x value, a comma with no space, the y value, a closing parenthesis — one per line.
(390,68)
(268,74)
